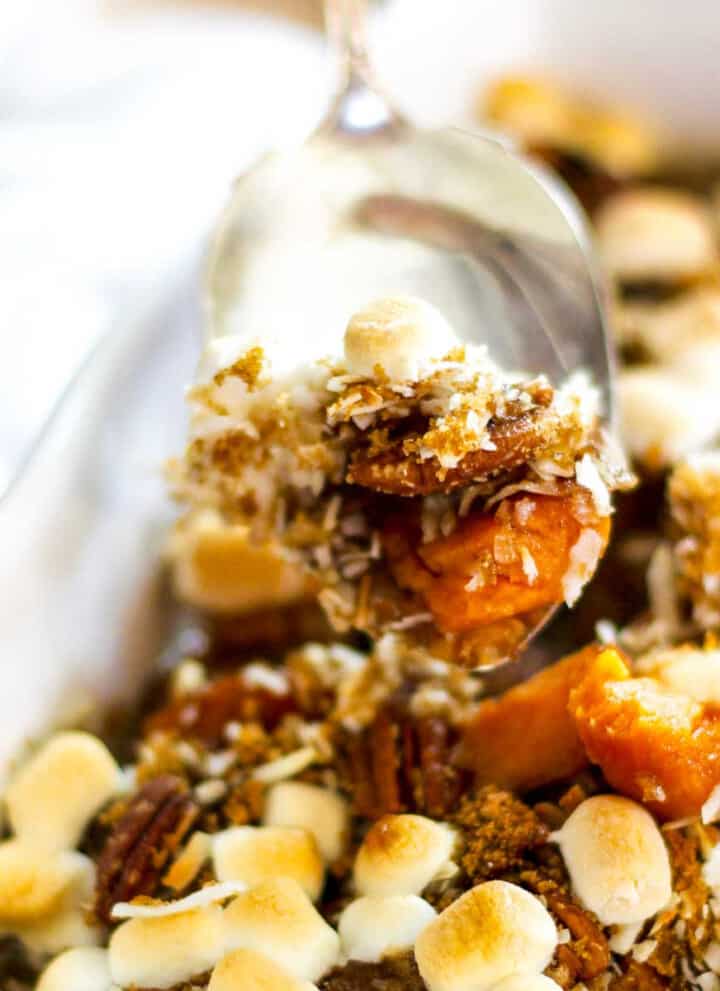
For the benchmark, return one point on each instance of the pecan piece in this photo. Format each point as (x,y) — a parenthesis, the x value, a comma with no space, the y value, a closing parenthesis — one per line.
(142,841)
(204,714)
(587,955)
(401,763)
(639,977)
(396,473)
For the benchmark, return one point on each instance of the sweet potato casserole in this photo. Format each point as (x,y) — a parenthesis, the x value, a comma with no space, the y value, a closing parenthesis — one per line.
(333,798)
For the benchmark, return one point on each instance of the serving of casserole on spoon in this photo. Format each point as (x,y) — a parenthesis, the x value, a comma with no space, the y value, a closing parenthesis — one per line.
(418,487)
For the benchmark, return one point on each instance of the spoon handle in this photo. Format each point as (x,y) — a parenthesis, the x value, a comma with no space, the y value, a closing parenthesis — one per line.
(345,25)
(360,108)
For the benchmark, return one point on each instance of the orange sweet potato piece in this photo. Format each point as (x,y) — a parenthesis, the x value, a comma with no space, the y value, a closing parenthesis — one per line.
(527,737)
(657,746)
(522,552)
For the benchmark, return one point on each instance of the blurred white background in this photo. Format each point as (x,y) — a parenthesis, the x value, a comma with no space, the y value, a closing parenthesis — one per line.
(121,128)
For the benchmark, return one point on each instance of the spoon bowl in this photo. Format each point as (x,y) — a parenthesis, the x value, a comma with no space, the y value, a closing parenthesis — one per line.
(371,206)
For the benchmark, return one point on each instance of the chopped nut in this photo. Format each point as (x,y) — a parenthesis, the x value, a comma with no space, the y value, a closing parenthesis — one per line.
(142,841)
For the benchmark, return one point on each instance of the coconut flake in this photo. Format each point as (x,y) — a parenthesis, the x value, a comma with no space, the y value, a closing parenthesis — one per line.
(588,476)
(624,937)
(584,556)
(710,812)
(286,766)
(198,899)
(530,568)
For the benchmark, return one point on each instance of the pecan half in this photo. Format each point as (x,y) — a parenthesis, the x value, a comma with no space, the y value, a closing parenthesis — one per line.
(402,763)
(396,473)
(204,714)
(142,841)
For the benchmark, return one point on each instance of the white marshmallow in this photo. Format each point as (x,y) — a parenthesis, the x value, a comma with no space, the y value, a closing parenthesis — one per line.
(493,931)
(253,854)
(650,233)
(401,334)
(33,881)
(617,859)
(67,924)
(527,982)
(243,969)
(164,951)
(665,415)
(320,811)
(278,920)
(56,793)
(685,670)
(401,854)
(216,566)
(371,928)
(80,969)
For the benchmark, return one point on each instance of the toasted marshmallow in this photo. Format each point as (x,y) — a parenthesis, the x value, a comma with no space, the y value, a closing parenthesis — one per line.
(253,972)
(320,811)
(371,928)
(217,567)
(33,881)
(686,670)
(80,969)
(665,415)
(672,330)
(495,930)
(278,920)
(656,234)
(67,924)
(527,982)
(534,109)
(400,334)
(617,859)
(258,853)
(56,793)
(401,854)
(161,952)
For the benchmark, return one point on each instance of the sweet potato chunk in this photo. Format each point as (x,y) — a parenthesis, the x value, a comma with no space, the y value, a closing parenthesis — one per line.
(657,746)
(494,565)
(527,737)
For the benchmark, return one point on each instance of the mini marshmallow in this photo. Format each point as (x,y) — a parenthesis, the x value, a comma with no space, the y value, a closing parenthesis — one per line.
(253,854)
(33,882)
(371,928)
(250,971)
(278,920)
(401,854)
(656,234)
(401,334)
(320,811)
(665,415)
(617,859)
(495,930)
(686,670)
(161,952)
(527,982)
(68,924)
(80,969)
(217,567)
(56,793)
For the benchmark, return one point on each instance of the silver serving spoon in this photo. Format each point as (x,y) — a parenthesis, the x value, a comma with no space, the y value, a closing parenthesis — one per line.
(372,206)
